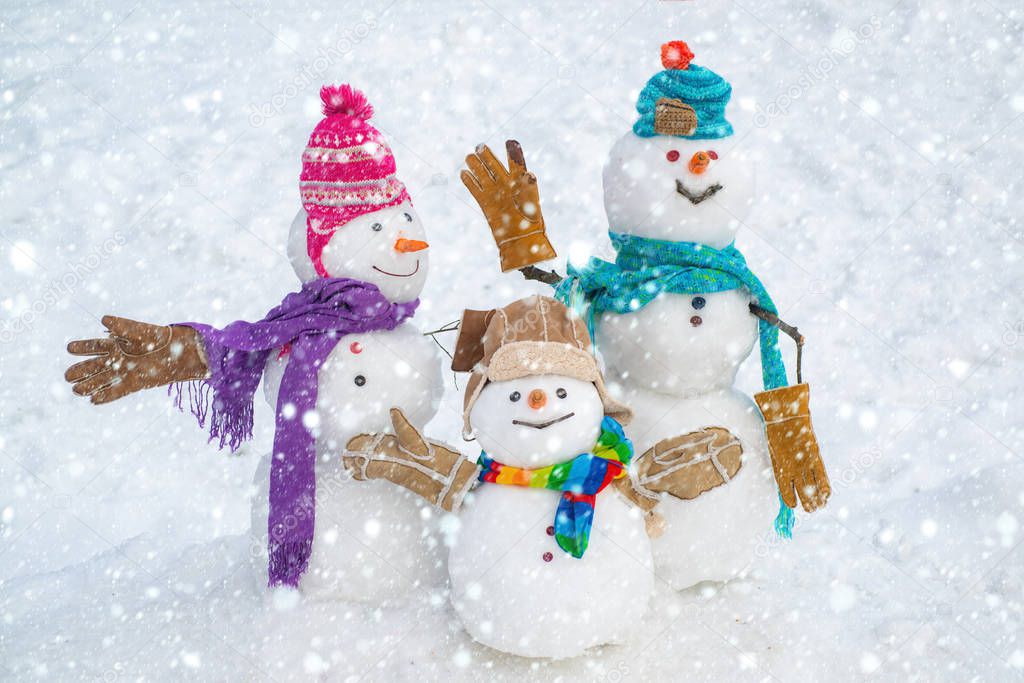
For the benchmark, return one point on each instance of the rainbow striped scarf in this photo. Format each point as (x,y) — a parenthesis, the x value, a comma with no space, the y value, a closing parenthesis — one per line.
(581,478)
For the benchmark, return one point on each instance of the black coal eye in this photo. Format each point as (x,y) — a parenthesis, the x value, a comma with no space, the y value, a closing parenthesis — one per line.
(359,380)
(376,227)
(408,218)
(514,396)
(561,393)
(698,302)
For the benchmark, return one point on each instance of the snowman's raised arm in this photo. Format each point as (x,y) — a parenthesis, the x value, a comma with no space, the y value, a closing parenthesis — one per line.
(437,472)
(510,201)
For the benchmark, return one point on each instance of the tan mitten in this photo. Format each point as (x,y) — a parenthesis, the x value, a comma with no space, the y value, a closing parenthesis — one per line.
(683,466)
(511,203)
(135,356)
(439,474)
(796,458)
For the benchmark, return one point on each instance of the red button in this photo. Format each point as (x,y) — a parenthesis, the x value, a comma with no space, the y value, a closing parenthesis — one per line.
(696,320)
(672,156)
(548,557)
(551,531)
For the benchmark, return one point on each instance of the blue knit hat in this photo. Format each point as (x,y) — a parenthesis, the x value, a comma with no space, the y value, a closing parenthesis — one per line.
(684,100)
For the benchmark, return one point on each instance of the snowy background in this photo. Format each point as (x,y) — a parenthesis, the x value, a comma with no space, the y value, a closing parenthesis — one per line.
(149,155)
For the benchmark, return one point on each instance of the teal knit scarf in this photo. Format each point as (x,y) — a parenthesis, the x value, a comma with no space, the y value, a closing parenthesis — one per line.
(644,268)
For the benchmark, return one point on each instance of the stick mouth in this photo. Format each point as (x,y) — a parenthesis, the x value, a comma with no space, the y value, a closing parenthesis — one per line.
(414,271)
(542,425)
(697,197)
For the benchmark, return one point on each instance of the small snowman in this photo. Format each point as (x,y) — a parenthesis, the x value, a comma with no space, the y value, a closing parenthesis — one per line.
(333,357)
(548,558)
(674,316)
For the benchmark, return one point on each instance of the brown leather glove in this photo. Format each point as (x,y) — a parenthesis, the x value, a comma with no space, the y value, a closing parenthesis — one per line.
(439,474)
(135,356)
(796,458)
(511,203)
(683,466)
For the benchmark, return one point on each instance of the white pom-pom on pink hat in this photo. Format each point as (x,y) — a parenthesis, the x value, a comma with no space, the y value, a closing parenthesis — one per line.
(348,169)
(345,100)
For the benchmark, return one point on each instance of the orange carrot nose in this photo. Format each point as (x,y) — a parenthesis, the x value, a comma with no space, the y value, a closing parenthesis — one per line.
(537,399)
(405,246)
(699,162)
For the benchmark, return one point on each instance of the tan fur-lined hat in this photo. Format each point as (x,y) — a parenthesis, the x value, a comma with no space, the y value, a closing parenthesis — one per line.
(533,336)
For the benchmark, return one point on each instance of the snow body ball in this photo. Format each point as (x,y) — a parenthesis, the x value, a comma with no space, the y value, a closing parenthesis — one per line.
(676,358)
(369,540)
(358,222)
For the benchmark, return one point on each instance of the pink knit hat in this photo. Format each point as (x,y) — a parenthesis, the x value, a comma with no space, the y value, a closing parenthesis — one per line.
(347,169)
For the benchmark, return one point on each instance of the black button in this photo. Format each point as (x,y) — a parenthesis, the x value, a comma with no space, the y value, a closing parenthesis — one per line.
(698,302)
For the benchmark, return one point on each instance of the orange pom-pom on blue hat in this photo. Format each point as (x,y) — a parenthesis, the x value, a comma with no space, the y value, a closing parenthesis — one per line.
(676,54)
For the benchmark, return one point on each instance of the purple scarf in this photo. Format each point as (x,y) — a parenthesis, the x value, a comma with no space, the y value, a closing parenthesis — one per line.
(312,321)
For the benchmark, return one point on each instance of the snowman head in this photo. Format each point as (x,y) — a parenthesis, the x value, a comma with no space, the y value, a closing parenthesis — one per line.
(675,189)
(359,220)
(676,176)
(536,395)
(537,421)
(387,248)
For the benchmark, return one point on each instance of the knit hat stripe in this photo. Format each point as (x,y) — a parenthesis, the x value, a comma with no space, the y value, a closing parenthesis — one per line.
(344,155)
(373,193)
(355,172)
(371,182)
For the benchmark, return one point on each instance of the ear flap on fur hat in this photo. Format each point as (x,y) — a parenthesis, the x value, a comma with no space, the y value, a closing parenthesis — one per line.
(469,347)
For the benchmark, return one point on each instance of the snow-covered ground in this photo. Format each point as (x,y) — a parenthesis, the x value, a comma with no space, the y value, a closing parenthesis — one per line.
(149,155)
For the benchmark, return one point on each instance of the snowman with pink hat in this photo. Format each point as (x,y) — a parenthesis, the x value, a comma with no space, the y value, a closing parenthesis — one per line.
(333,358)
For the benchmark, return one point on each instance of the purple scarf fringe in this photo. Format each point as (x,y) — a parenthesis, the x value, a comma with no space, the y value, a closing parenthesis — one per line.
(313,320)
(232,428)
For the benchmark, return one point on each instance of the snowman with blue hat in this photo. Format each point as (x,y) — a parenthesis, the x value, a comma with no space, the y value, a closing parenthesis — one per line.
(674,316)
